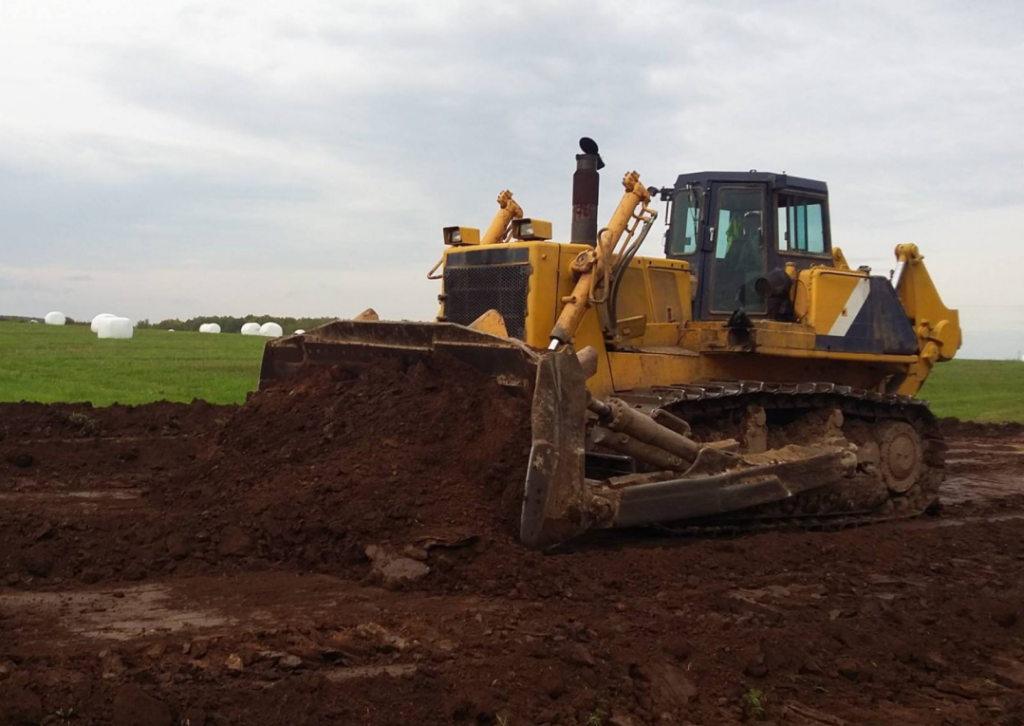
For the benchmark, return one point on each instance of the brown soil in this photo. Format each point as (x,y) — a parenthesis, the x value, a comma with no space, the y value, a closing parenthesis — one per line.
(344,552)
(952,426)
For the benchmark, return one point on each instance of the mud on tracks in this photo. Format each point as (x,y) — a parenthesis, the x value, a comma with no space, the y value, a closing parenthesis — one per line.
(221,575)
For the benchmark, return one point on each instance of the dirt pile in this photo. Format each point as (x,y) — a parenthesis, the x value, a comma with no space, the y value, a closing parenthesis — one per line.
(390,468)
(393,461)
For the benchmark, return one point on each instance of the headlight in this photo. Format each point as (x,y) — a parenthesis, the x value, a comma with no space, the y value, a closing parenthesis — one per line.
(528,229)
(456,236)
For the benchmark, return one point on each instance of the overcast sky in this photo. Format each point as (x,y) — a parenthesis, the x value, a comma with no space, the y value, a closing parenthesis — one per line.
(300,158)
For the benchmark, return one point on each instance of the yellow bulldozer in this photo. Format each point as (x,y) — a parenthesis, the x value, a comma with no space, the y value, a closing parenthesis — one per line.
(751,376)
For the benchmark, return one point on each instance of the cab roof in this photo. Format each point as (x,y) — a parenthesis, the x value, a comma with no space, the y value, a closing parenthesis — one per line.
(704,178)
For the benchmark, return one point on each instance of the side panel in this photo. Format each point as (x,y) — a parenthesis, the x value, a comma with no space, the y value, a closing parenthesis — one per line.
(830,290)
(857,313)
(658,291)
(633,300)
(634,370)
(543,301)
(670,295)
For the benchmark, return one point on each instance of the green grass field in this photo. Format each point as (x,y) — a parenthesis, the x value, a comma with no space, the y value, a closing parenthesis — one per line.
(978,390)
(51,364)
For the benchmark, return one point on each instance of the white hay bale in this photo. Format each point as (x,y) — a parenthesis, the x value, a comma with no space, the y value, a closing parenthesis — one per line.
(55,318)
(298,331)
(271,330)
(95,321)
(251,329)
(209,328)
(115,328)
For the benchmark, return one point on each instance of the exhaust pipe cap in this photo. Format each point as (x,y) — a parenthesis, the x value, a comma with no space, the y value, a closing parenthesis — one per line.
(589,146)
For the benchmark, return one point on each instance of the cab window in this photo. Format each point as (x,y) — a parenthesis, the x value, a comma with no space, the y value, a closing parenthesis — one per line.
(739,250)
(801,225)
(682,236)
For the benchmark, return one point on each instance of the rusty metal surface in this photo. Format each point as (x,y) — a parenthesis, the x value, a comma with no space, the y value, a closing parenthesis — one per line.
(554,498)
(355,344)
(748,482)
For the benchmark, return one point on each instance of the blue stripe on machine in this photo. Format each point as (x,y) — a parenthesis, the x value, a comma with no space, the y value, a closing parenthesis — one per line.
(881,326)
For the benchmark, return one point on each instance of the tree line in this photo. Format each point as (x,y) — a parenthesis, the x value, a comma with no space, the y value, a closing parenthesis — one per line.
(232,324)
(29,319)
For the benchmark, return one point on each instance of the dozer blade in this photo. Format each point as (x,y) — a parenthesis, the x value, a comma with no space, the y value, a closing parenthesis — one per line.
(554,498)
(356,344)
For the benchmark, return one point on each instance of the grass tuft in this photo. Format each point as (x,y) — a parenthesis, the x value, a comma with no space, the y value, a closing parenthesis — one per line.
(754,704)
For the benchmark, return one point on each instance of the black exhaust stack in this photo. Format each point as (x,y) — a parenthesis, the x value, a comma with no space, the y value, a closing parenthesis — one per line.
(586,186)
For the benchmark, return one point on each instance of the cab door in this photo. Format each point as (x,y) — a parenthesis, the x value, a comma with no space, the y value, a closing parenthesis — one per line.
(735,251)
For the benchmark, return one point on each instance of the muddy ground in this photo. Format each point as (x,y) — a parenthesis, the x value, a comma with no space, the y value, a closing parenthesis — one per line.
(334,554)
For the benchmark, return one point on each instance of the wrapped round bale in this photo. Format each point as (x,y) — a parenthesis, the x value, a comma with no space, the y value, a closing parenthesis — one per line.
(271,330)
(209,328)
(55,318)
(251,329)
(298,331)
(115,328)
(95,321)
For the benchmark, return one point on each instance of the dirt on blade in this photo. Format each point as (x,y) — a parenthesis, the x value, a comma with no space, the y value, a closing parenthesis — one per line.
(344,552)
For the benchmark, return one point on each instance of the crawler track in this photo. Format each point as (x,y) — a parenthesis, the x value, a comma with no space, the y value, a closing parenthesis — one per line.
(900,442)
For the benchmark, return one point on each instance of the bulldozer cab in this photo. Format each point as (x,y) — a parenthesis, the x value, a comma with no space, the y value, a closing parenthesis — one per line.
(735,228)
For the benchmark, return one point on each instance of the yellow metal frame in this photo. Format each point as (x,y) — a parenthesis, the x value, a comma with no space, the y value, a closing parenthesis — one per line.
(655,342)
